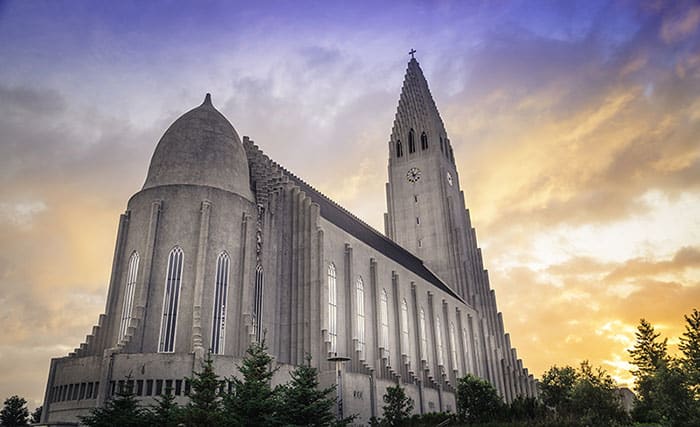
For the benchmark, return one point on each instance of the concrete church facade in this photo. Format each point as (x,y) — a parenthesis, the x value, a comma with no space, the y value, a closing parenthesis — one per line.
(222,243)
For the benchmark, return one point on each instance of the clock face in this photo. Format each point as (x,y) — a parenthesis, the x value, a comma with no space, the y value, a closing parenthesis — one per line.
(449,178)
(413,175)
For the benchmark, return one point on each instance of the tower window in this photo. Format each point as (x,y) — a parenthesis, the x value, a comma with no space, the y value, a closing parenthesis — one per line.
(438,338)
(405,350)
(423,141)
(360,301)
(442,145)
(384,321)
(258,301)
(399,149)
(453,346)
(423,336)
(218,327)
(415,198)
(171,300)
(129,289)
(332,308)
(420,243)
(417,220)
(452,155)
(411,141)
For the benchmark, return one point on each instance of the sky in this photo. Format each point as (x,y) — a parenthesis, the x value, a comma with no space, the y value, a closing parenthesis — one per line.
(575,124)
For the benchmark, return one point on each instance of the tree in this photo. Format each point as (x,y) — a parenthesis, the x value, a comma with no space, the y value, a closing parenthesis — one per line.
(36,415)
(690,347)
(302,403)
(123,410)
(398,407)
(648,353)
(205,405)
(594,398)
(252,401)
(477,400)
(15,412)
(557,387)
(166,412)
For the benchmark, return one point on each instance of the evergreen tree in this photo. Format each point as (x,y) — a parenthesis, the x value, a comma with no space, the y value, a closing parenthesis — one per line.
(690,347)
(398,407)
(36,415)
(15,412)
(477,400)
(595,400)
(123,410)
(302,403)
(648,352)
(557,387)
(166,412)
(252,401)
(205,406)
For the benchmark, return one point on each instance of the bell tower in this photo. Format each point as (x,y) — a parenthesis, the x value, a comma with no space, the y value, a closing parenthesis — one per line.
(425,207)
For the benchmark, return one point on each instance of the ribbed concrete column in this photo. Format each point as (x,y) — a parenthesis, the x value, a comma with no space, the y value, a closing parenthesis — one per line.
(140,306)
(200,269)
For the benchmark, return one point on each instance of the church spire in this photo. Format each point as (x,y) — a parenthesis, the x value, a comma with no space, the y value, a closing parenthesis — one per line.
(416,109)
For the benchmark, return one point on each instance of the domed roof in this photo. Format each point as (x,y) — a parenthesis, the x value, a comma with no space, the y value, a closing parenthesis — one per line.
(201,148)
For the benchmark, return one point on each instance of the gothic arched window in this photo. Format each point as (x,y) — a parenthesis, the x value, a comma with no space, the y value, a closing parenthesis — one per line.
(453,346)
(171,300)
(218,327)
(411,141)
(423,141)
(399,149)
(129,289)
(423,336)
(332,308)
(404,329)
(438,339)
(384,321)
(360,302)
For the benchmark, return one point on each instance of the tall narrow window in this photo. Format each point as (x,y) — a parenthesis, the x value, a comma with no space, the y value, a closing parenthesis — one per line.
(411,141)
(360,302)
(399,149)
(384,321)
(218,327)
(404,329)
(438,339)
(442,145)
(452,155)
(127,308)
(258,302)
(171,300)
(453,346)
(423,141)
(423,336)
(332,308)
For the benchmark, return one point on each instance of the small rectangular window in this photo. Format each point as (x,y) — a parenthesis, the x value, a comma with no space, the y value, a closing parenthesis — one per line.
(418,220)
(168,386)
(89,390)
(139,387)
(178,387)
(159,387)
(420,243)
(120,386)
(415,198)
(95,390)
(187,388)
(75,391)
(81,396)
(130,386)
(149,387)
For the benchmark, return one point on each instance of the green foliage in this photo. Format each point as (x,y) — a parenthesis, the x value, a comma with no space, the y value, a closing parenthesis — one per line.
(477,400)
(204,408)
(36,415)
(557,387)
(302,403)
(252,401)
(123,410)
(166,412)
(648,352)
(14,412)
(595,399)
(690,347)
(526,409)
(398,407)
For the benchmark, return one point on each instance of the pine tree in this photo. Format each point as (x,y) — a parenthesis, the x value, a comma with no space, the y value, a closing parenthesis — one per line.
(302,403)
(166,412)
(123,410)
(648,353)
(36,415)
(252,401)
(205,406)
(690,347)
(398,407)
(557,387)
(15,412)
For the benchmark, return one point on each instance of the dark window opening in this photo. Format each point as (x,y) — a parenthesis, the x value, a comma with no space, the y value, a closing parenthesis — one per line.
(139,387)
(178,387)
(442,145)
(399,149)
(149,387)
(159,387)
(411,141)
(423,141)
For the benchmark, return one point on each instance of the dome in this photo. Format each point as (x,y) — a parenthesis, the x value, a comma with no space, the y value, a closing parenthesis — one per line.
(201,148)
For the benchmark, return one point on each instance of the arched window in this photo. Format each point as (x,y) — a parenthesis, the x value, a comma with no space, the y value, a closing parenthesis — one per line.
(423,141)
(438,339)
(442,145)
(405,349)
(399,149)
(171,300)
(258,302)
(423,336)
(452,155)
(384,321)
(332,308)
(360,302)
(453,346)
(129,289)
(411,141)
(465,351)
(218,327)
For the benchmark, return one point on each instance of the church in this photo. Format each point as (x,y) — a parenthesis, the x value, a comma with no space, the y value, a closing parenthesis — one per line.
(224,246)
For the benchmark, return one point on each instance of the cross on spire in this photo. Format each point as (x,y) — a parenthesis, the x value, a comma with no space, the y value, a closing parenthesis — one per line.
(411,53)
